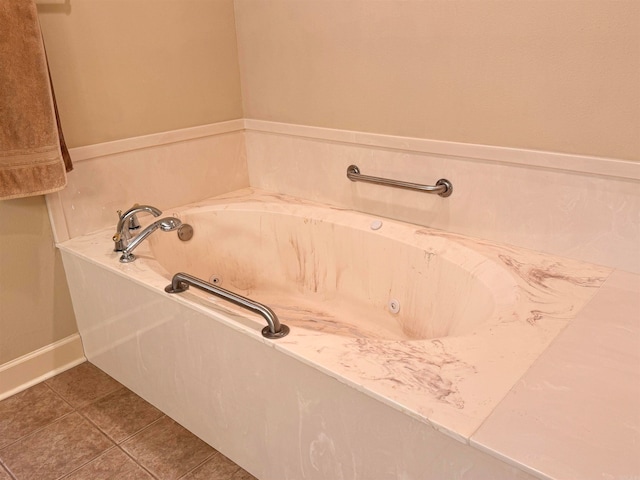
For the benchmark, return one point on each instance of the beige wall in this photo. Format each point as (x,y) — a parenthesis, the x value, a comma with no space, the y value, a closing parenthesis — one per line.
(35,307)
(558,75)
(123,68)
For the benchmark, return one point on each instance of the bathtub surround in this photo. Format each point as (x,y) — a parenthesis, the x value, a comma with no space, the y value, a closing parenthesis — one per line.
(575,206)
(581,207)
(262,154)
(164,170)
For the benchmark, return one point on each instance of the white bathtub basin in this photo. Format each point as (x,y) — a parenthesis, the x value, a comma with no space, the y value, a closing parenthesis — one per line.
(342,272)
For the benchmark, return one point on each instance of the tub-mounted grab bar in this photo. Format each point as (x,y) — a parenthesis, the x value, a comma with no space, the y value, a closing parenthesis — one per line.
(181,281)
(443,187)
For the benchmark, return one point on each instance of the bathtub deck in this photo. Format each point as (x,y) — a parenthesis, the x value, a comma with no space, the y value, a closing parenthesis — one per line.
(576,412)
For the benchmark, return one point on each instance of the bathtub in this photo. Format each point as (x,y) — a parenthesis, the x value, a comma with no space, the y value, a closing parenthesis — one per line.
(402,339)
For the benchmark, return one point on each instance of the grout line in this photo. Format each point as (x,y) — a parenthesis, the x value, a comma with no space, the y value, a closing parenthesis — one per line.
(210,457)
(92,401)
(145,428)
(113,442)
(136,462)
(5,469)
(58,395)
(82,417)
(86,463)
(43,426)
(34,432)
(88,419)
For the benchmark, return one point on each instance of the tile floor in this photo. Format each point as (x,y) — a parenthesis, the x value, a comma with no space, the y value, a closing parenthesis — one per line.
(82,424)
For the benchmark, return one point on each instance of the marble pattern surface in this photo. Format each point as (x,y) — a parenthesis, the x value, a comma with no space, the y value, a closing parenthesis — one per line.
(587,208)
(576,413)
(450,383)
(443,379)
(99,186)
(508,197)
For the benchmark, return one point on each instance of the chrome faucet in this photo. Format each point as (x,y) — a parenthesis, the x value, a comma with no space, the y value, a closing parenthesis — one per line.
(128,221)
(165,224)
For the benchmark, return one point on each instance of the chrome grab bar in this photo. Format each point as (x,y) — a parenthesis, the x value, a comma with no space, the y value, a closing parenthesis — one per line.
(181,281)
(443,187)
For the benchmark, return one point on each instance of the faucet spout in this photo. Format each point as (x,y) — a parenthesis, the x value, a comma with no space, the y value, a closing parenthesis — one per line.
(128,221)
(165,224)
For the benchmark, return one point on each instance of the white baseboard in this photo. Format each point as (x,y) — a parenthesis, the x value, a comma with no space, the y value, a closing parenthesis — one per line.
(37,366)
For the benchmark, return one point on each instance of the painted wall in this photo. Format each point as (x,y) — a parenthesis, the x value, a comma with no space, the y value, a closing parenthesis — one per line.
(121,68)
(124,68)
(548,75)
(35,306)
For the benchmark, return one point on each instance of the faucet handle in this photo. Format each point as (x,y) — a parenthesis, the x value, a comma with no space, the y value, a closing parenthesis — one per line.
(117,240)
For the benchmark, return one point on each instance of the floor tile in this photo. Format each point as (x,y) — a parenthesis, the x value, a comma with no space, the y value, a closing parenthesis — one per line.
(55,450)
(167,449)
(28,411)
(112,465)
(219,467)
(121,414)
(83,384)
(243,475)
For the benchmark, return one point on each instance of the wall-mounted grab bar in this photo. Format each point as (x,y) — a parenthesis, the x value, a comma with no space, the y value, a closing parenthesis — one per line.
(181,281)
(443,187)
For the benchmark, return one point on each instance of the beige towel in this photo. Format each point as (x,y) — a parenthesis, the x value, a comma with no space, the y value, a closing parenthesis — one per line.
(31,147)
